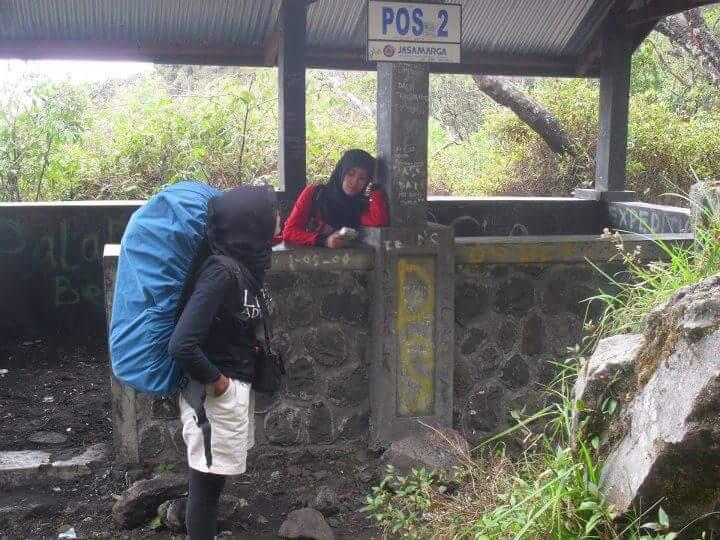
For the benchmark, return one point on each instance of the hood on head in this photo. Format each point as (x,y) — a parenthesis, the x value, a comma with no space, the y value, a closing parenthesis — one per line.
(352,158)
(241,225)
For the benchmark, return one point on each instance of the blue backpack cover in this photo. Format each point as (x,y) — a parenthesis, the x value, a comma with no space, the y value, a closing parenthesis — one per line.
(156,252)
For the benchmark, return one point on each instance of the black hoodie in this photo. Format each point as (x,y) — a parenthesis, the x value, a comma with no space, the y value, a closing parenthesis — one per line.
(216,331)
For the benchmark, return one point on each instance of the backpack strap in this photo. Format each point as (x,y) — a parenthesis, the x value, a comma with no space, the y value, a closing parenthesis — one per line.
(194,392)
(197,265)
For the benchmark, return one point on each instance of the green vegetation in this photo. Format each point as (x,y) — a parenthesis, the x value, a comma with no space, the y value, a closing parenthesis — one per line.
(128,138)
(549,492)
(642,286)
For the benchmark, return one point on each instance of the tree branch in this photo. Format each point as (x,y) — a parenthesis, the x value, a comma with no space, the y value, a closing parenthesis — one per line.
(704,39)
(537,117)
(699,46)
(665,65)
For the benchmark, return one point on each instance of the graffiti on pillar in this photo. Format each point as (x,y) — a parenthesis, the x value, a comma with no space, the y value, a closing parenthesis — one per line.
(411,177)
(415,332)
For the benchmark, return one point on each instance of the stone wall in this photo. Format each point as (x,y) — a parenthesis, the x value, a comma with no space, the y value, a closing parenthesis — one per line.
(321,327)
(320,319)
(519,304)
(517,308)
(50,253)
(511,321)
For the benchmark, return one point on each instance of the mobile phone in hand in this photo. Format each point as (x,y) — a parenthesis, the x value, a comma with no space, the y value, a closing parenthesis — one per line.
(346,233)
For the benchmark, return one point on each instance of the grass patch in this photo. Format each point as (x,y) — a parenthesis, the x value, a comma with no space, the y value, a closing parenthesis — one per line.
(550,491)
(642,286)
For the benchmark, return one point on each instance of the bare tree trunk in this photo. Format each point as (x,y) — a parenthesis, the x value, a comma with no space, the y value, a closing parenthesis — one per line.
(703,38)
(696,40)
(540,120)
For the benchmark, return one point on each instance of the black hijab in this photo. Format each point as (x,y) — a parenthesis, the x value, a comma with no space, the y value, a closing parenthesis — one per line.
(241,225)
(337,208)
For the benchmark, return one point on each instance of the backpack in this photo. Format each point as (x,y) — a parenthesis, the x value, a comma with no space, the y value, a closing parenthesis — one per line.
(156,253)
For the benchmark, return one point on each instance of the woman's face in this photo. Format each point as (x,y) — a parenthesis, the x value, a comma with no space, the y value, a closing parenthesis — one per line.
(355,181)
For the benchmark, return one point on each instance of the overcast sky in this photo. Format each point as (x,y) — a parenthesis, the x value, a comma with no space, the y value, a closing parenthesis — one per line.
(74,70)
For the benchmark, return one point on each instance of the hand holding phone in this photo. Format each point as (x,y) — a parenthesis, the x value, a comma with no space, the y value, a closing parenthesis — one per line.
(346,233)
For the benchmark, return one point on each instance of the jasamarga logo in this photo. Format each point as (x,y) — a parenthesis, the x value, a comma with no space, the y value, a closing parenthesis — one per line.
(418,50)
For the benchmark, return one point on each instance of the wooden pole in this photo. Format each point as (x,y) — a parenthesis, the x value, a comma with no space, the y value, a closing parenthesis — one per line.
(291,95)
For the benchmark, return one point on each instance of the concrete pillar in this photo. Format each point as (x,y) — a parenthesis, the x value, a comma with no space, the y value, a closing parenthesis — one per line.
(412,309)
(402,140)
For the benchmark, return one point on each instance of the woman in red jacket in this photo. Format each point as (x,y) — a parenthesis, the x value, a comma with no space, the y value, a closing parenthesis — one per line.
(321,211)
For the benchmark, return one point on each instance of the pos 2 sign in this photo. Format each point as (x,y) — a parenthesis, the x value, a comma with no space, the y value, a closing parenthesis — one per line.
(413,32)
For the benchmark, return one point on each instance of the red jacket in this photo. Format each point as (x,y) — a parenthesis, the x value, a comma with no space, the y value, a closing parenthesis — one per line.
(299,230)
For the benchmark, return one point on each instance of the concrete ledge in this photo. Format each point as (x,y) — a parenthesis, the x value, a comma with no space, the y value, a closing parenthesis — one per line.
(299,259)
(292,259)
(33,466)
(475,250)
(555,249)
(645,218)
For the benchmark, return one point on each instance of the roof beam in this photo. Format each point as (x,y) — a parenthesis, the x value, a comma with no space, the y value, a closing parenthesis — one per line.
(348,59)
(592,51)
(272,42)
(473,63)
(591,55)
(659,9)
(640,32)
(271,46)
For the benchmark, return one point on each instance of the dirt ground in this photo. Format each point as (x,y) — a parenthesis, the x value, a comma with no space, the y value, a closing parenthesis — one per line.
(59,388)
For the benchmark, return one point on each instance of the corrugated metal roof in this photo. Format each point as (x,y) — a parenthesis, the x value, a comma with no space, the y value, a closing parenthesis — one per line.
(212,22)
(522,26)
(337,23)
(558,29)
(489,26)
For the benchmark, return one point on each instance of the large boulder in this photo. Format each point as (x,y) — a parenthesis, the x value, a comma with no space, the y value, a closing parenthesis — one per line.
(670,449)
(306,523)
(609,374)
(442,450)
(140,503)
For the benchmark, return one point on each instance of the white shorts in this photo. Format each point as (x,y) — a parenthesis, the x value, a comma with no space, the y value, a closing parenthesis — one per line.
(232,428)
